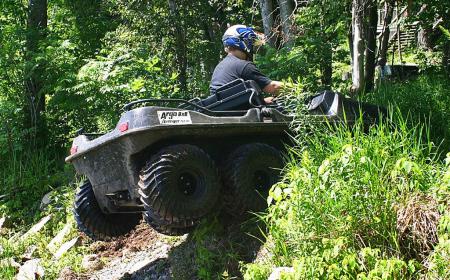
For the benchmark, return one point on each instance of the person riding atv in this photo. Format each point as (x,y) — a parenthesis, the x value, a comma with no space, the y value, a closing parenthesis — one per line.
(239,41)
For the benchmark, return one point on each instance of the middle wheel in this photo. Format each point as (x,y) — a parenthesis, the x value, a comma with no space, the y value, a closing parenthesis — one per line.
(250,172)
(178,186)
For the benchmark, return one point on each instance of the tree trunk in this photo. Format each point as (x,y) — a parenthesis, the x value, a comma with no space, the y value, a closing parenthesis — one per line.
(210,59)
(326,61)
(424,38)
(350,40)
(326,66)
(384,38)
(180,45)
(371,36)
(286,13)
(268,21)
(358,47)
(34,78)
(446,55)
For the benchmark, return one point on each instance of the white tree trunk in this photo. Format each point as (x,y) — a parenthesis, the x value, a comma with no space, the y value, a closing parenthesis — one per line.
(267,18)
(358,47)
(286,14)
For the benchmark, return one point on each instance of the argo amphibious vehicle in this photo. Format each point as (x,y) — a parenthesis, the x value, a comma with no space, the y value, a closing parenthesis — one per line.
(178,161)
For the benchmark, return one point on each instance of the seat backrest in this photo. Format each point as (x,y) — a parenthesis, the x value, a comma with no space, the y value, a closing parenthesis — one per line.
(236,95)
(230,89)
(232,96)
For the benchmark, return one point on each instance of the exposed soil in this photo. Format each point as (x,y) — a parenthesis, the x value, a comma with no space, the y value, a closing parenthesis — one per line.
(141,254)
(139,239)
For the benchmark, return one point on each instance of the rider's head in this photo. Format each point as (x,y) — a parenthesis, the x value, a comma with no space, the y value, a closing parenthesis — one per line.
(239,37)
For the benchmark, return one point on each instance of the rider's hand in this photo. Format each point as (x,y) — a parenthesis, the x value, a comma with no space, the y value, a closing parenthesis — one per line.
(268,100)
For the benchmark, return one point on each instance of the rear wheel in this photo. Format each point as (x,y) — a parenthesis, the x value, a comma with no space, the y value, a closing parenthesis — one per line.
(178,186)
(250,171)
(173,229)
(96,224)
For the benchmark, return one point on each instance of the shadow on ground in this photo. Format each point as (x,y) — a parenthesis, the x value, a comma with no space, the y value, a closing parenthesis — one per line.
(214,249)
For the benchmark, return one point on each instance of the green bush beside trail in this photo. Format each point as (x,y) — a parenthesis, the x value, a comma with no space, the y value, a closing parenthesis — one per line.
(334,216)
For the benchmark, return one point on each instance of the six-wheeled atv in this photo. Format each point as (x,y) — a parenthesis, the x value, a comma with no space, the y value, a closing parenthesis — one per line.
(179,163)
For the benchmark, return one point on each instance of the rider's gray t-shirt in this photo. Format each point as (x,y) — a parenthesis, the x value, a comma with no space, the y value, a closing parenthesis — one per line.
(232,68)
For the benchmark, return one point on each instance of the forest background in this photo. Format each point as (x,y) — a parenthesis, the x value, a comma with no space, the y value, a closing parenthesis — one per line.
(66,65)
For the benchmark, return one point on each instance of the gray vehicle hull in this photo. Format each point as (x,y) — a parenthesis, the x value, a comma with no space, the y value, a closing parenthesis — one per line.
(112,162)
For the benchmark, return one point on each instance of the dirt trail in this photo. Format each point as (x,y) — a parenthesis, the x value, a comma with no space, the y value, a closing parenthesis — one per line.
(145,254)
(141,254)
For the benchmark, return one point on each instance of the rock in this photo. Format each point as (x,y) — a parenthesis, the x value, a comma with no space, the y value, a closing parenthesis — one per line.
(59,238)
(2,221)
(66,247)
(37,227)
(28,255)
(30,270)
(141,264)
(46,200)
(91,262)
(67,274)
(276,273)
(9,262)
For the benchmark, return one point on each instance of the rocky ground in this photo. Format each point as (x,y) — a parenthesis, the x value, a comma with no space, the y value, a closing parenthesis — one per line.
(217,246)
(141,254)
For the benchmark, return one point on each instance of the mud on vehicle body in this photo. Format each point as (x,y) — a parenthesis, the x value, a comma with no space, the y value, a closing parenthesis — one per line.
(179,164)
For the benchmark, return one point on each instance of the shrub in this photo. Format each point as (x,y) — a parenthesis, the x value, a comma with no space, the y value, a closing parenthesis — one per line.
(334,215)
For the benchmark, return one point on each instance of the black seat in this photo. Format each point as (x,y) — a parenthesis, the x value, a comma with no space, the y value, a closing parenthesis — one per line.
(236,95)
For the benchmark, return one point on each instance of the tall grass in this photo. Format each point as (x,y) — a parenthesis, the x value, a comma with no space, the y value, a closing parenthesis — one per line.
(334,214)
(26,177)
(424,99)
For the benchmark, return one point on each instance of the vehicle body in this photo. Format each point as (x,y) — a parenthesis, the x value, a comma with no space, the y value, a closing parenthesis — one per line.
(114,162)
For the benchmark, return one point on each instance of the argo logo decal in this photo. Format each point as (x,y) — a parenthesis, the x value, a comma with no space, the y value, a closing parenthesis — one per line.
(174,117)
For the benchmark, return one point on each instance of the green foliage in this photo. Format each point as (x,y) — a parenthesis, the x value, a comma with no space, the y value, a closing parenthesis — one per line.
(105,84)
(439,260)
(421,100)
(321,30)
(14,246)
(257,271)
(334,214)
(26,178)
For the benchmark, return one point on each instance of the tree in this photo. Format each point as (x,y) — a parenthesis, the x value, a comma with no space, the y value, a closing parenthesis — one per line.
(34,77)
(385,33)
(180,44)
(286,13)
(371,33)
(358,46)
(268,21)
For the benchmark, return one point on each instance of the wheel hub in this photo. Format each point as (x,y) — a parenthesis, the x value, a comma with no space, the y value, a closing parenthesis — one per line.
(261,180)
(187,183)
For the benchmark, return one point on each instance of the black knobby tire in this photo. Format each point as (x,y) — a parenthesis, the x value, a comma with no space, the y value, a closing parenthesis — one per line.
(178,186)
(174,229)
(96,224)
(249,173)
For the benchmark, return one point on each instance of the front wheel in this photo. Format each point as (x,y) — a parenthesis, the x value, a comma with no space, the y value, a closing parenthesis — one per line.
(96,224)
(178,186)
